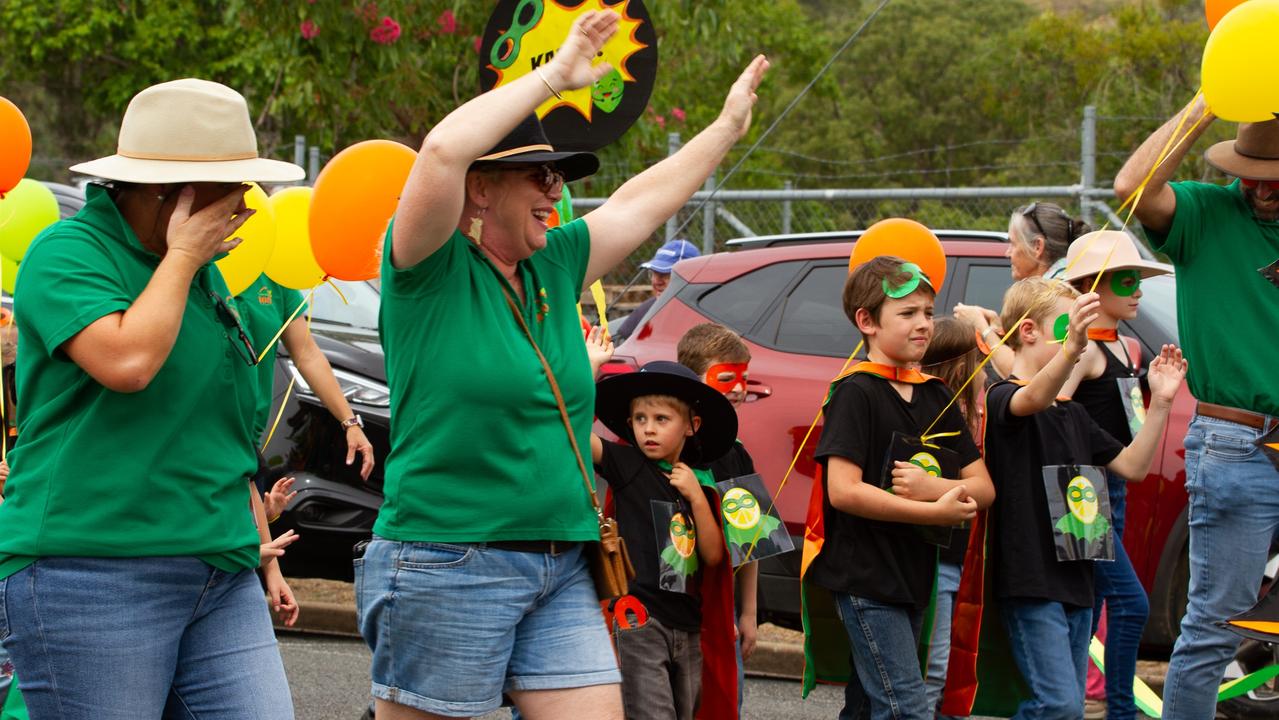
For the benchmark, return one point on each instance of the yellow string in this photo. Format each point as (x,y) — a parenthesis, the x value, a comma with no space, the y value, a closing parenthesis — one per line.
(4,393)
(798,451)
(276,338)
(924,439)
(980,366)
(284,401)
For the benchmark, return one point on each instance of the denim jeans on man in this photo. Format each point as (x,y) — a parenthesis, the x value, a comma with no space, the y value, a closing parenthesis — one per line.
(887,683)
(948,577)
(1050,646)
(129,638)
(1126,611)
(1234,513)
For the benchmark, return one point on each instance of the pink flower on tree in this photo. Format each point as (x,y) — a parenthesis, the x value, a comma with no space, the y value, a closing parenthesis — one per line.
(385,32)
(661,121)
(477,44)
(678,114)
(447,22)
(309,29)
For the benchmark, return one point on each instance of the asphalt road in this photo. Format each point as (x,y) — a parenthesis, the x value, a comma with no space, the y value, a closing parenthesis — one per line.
(329,678)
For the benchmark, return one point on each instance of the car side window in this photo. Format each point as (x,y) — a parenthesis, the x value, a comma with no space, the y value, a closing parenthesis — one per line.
(740,302)
(985,286)
(813,320)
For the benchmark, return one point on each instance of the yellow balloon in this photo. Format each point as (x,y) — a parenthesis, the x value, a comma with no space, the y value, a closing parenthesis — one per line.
(8,274)
(292,263)
(1241,44)
(24,211)
(242,266)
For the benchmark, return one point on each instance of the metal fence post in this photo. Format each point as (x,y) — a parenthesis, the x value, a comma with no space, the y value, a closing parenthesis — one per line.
(1088,159)
(708,218)
(786,208)
(672,147)
(313,166)
(299,150)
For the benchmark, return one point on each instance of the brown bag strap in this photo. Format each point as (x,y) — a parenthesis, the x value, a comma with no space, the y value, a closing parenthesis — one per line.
(559,399)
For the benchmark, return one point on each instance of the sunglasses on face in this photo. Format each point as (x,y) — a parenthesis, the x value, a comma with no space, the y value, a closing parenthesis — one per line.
(241,342)
(546,176)
(1252,184)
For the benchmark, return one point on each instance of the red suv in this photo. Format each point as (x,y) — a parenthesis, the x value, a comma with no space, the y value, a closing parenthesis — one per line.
(783,295)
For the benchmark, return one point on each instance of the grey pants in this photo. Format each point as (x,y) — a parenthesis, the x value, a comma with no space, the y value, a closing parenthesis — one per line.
(661,671)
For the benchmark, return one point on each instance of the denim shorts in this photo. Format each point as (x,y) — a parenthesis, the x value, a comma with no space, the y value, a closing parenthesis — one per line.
(454,626)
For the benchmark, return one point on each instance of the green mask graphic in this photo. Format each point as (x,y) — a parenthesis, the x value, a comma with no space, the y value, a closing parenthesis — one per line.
(681,554)
(1084,520)
(606,93)
(1125,283)
(744,521)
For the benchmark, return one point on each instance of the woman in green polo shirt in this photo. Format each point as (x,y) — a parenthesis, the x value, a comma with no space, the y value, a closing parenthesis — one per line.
(474,584)
(129,551)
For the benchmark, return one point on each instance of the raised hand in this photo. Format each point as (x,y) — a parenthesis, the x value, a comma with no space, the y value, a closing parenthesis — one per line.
(1166,373)
(1083,313)
(277,498)
(572,66)
(200,235)
(274,549)
(741,97)
(599,348)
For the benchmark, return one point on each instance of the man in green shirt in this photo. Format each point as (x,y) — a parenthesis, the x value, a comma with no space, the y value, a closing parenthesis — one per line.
(1221,240)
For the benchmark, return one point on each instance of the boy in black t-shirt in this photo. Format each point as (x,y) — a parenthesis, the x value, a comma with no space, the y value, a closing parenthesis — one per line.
(873,557)
(672,421)
(1046,603)
(719,356)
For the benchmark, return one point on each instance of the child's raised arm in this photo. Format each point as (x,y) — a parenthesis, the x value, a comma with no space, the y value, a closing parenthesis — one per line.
(710,540)
(1043,388)
(849,494)
(1165,375)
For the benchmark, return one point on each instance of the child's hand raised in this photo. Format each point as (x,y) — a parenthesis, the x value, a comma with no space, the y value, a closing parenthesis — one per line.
(1166,373)
(683,480)
(955,506)
(1083,313)
(277,498)
(274,549)
(599,348)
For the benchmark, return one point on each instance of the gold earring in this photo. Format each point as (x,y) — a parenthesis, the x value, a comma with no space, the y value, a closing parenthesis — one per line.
(477,227)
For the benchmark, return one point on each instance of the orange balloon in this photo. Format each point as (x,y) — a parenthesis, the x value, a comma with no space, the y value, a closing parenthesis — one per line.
(907,240)
(1215,10)
(15,139)
(355,196)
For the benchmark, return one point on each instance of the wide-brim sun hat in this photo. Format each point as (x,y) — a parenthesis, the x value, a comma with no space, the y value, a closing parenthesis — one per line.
(185,131)
(718,430)
(672,252)
(1253,154)
(527,144)
(1108,250)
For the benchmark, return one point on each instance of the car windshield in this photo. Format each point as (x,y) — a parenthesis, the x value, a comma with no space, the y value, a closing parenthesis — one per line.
(359,310)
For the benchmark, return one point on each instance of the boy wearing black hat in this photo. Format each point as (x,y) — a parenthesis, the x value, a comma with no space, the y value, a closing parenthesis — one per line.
(671,419)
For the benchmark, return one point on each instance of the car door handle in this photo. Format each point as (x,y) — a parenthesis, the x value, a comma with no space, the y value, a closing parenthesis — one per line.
(757,390)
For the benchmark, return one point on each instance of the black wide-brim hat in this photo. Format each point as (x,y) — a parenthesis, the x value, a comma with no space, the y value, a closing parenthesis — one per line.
(527,143)
(718,430)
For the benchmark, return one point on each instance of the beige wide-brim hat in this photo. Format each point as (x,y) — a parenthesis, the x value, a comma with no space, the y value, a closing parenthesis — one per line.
(188,131)
(1253,154)
(1092,253)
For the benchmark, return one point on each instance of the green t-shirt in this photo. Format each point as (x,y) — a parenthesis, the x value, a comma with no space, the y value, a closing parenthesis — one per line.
(1226,311)
(478,449)
(264,307)
(159,472)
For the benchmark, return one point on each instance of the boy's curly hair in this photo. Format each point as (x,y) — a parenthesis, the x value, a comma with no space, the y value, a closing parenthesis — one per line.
(865,286)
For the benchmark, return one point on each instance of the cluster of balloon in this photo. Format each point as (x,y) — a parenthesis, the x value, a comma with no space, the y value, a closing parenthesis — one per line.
(26,205)
(906,239)
(1240,42)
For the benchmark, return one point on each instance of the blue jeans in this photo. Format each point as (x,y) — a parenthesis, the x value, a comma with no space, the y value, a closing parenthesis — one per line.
(1126,611)
(128,638)
(885,652)
(1234,514)
(948,576)
(1050,646)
